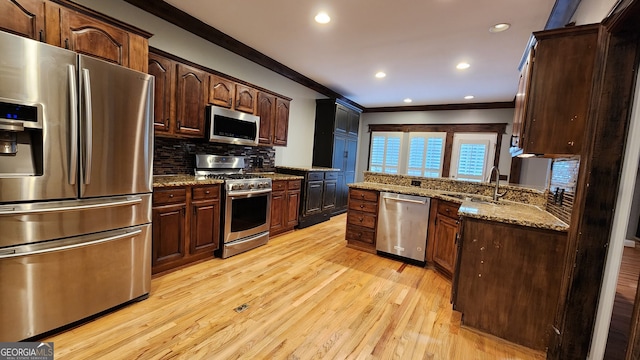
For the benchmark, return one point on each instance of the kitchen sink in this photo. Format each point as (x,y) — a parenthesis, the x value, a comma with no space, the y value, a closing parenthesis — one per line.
(476,199)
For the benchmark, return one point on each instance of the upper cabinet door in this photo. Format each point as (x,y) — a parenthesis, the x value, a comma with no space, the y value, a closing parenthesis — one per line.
(267,112)
(23,17)
(245,99)
(281,126)
(342,119)
(190,97)
(92,37)
(221,91)
(162,69)
(353,123)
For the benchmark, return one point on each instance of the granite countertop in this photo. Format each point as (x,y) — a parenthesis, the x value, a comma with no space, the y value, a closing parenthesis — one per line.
(181,180)
(278,176)
(480,207)
(307,168)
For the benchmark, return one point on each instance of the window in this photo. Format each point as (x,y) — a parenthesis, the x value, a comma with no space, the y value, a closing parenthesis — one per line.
(472,155)
(426,151)
(385,152)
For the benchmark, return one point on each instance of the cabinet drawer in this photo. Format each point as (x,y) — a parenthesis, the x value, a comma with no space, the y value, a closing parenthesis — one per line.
(448,209)
(313,176)
(205,192)
(331,175)
(294,184)
(360,234)
(361,219)
(366,206)
(278,185)
(169,196)
(365,195)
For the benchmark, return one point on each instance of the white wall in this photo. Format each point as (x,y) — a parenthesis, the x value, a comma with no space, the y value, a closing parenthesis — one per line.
(592,11)
(434,117)
(181,43)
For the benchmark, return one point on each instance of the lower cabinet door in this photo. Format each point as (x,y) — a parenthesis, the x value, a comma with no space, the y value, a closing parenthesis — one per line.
(293,204)
(444,252)
(169,225)
(313,200)
(205,225)
(278,208)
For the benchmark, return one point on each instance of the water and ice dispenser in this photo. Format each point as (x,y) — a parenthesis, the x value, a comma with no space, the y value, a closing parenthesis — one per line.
(21,150)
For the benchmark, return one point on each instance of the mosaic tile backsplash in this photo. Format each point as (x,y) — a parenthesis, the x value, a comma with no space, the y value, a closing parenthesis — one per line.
(177,156)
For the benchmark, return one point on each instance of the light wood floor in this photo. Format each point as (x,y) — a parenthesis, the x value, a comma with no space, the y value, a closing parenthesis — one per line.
(623,304)
(308,297)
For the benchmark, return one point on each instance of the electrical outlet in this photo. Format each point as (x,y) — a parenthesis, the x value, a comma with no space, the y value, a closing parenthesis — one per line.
(416,182)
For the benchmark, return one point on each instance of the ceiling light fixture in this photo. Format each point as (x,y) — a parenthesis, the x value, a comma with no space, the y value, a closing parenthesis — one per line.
(380,74)
(322,18)
(462,66)
(407,100)
(469,97)
(499,27)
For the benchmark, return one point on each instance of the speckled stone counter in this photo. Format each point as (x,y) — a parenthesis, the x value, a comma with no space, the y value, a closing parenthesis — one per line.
(278,176)
(307,168)
(504,211)
(181,180)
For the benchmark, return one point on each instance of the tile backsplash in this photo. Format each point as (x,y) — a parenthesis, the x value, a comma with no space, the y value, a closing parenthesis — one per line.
(562,188)
(177,156)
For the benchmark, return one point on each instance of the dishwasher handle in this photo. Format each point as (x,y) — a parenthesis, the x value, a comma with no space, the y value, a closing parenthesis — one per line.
(421,202)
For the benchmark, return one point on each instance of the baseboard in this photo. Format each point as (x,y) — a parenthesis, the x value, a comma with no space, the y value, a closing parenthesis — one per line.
(629,243)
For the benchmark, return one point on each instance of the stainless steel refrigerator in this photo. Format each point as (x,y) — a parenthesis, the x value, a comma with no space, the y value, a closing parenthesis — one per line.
(76,145)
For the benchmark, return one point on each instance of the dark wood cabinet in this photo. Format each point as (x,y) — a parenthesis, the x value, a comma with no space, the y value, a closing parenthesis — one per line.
(191,92)
(313,203)
(24,18)
(245,99)
(162,69)
(221,91)
(186,225)
(362,216)
(335,144)
(285,202)
(317,196)
(329,194)
(442,236)
(508,280)
(180,95)
(274,119)
(556,84)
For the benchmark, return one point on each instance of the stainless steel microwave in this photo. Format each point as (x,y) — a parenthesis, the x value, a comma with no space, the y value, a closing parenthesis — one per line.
(232,127)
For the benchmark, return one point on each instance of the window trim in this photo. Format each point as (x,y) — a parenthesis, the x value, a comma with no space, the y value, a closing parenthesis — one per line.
(450,129)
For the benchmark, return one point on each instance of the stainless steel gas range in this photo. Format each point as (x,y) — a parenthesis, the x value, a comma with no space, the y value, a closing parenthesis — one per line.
(246,208)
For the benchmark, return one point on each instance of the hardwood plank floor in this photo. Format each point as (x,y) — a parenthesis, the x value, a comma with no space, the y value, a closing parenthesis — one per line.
(623,304)
(308,297)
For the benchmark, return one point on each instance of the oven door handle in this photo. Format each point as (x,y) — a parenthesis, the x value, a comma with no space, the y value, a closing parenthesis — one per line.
(248,193)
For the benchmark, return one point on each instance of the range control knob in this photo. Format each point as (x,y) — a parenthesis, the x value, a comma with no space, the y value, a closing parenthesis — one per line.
(236,186)
(251,186)
(260,185)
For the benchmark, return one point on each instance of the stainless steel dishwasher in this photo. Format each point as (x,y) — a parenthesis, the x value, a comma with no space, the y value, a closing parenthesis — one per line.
(402,225)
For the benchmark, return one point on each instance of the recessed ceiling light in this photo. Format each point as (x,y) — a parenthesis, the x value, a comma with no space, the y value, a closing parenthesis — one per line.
(499,27)
(407,100)
(462,66)
(380,74)
(469,97)
(322,18)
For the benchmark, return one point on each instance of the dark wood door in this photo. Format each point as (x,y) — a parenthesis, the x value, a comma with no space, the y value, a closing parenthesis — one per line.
(190,96)
(267,113)
(350,164)
(205,226)
(339,162)
(281,126)
(313,198)
(23,17)
(329,194)
(444,250)
(88,36)
(169,225)
(293,204)
(245,99)
(221,91)
(520,103)
(162,69)
(278,210)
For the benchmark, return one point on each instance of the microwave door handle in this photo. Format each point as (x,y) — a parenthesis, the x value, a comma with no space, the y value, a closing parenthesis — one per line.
(73,126)
(88,141)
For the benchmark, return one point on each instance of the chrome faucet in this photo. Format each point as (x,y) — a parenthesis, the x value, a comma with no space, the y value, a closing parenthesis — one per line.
(496,194)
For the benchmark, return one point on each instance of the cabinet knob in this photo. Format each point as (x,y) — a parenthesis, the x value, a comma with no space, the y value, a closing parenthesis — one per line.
(570,143)
(362,195)
(447,210)
(361,206)
(361,219)
(207,192)
(360,235)
(170,195)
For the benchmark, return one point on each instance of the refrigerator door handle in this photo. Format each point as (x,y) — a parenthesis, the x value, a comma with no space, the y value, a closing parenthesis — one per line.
(15,210)
(73,146)
(88,143)
(79,243)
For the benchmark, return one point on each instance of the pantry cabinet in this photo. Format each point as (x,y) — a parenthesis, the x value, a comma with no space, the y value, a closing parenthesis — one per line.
(554,92)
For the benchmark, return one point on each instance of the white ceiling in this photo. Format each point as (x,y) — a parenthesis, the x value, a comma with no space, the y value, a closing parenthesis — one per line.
(416,42)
